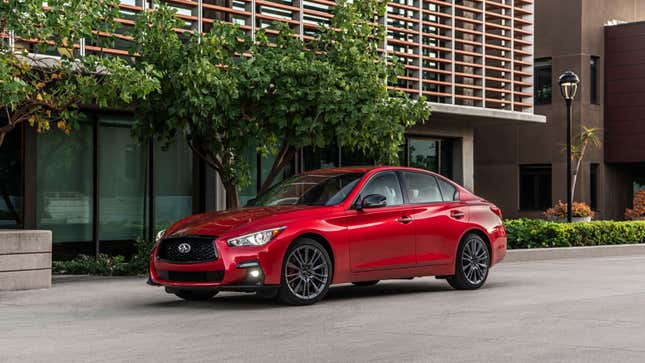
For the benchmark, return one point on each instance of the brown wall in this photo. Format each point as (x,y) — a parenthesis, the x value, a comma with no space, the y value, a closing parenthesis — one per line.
(569,32)
(625,93)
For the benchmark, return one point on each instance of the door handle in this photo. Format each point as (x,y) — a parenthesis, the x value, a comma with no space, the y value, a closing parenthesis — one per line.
(457,214)
(405,219)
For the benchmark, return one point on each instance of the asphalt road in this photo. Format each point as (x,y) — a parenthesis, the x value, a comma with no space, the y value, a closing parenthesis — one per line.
(568,311)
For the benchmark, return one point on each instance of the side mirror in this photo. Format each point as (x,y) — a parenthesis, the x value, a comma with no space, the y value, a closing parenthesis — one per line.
(373,201)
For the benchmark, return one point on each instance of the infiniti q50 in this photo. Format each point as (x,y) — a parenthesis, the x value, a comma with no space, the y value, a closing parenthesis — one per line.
(334,226)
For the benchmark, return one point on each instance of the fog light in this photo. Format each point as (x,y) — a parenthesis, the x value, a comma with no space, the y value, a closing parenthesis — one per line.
(254,273)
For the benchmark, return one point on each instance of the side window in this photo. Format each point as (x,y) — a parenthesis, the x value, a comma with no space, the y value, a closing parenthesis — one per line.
(448,191)
(387,185)
(422,188)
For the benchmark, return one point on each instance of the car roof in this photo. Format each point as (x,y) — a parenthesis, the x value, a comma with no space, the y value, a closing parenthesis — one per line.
(361,169)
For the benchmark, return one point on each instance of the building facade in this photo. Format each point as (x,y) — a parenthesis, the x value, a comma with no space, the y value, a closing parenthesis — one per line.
(523,168)
(472,59)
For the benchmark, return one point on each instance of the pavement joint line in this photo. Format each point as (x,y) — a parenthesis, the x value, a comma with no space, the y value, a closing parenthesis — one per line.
(497,339)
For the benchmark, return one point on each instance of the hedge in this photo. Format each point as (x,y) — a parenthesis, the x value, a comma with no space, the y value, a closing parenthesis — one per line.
(105,265)
(537,233)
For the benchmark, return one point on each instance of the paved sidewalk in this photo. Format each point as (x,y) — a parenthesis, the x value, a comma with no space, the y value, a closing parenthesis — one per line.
(582,310)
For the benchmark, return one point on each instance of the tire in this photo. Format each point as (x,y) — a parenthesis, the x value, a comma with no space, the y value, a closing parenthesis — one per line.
(196,295)
(472,264)
(306,273)
(365,283)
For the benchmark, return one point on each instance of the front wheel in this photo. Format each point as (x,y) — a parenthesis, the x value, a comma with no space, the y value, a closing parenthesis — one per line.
(196,295)
(472,264)
(306,273)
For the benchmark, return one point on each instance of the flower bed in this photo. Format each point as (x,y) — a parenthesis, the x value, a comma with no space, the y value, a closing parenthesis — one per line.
(536,233)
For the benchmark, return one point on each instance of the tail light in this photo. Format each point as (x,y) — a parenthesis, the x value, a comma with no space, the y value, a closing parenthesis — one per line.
(497,211)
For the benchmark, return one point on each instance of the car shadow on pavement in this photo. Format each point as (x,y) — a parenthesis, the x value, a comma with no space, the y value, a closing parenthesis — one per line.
(240,301)
(387,288)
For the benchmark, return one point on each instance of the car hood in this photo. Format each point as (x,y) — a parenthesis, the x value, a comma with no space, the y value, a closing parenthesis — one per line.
(219,223)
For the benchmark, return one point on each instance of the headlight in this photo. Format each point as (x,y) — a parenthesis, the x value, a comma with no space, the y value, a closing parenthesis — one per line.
(160,235)
(259,238)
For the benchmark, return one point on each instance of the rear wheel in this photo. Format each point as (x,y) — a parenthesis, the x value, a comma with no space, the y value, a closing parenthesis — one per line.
(365,283)
(472,264)
(306,273)
(196,295)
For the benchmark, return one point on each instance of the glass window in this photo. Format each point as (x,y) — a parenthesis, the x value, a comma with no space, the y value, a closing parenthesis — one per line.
(11,192)
(424,154)
(448,191)
(354,158)
(432,154)
(535,187)
(310,189)
(593,186)
(174,183)
(593,80)
(543,81)
(387,185)
(250,191)
(122,182)
(64,184)
(320,158)
(422,188)
(445,157)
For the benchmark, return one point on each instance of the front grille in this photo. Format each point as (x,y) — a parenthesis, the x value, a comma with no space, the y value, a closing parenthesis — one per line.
(199,276)
(200,249)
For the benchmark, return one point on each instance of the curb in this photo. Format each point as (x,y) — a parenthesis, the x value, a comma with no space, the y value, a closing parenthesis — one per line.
(541,254)
(61,279)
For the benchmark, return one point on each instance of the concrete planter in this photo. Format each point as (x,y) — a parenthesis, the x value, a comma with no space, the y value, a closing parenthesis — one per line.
(25,259)
(539,254)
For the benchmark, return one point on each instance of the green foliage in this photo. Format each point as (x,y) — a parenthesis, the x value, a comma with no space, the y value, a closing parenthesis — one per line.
(45,90)
(106,265)
(62,23)
(224,92)
(536,233)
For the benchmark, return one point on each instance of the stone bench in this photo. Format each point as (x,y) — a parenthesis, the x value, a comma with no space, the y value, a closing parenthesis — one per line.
(25,259)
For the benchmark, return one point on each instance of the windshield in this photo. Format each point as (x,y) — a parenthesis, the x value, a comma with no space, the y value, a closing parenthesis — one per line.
(310,189)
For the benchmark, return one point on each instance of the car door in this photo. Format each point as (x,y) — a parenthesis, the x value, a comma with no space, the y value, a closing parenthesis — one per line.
(439,217)
(381,238)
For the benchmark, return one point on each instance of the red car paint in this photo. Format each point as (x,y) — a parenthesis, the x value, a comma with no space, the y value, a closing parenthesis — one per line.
(370,244)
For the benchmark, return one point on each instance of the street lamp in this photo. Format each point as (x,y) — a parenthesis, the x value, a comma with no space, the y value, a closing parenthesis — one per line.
(569,82)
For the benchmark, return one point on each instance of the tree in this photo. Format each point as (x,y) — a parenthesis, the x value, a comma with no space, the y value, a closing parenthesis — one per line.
(201,92)
(225,92)
(586,139)
(43,90)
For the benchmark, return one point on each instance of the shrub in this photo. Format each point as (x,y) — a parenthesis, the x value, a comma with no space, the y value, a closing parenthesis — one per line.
(105,265)
(639,206)
(559,210)
(535,233)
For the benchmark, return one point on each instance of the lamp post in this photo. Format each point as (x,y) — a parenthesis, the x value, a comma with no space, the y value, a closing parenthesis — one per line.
(569,82)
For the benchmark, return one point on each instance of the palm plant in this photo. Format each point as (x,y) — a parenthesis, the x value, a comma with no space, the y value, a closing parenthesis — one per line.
(587,138)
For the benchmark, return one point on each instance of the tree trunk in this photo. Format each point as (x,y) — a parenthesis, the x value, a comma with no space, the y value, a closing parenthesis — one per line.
(232,197)
(230,187)
(575,173)
(285,155)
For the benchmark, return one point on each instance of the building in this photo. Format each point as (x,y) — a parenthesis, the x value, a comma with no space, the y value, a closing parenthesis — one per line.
(472,59)
(523,168)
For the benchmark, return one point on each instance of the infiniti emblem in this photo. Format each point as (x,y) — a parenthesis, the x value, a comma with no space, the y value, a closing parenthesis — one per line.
(183,248)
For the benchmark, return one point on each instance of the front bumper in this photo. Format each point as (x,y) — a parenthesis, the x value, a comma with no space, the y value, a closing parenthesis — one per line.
(235,269)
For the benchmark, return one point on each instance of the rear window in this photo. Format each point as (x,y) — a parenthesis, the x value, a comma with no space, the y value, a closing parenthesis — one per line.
(449,192)
(422,188)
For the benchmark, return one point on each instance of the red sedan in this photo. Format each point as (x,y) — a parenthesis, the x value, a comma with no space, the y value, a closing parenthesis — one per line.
(332,226)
